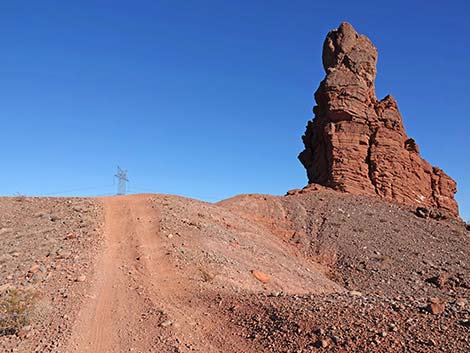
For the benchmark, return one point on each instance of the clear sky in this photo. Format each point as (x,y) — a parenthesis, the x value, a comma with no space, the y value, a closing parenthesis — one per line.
(210,98)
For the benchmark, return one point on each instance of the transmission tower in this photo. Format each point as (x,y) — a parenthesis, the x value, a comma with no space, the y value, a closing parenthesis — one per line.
(122,180)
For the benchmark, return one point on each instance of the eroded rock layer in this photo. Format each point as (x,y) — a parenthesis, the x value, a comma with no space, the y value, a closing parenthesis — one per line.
(357,143)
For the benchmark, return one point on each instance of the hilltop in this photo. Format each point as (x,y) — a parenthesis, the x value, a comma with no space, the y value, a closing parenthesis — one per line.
(254,273)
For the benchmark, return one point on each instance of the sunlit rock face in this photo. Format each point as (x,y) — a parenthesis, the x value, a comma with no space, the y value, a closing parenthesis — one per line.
(357,143)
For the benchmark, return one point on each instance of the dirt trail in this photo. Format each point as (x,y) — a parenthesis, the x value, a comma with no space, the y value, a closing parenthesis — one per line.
(139,301)
(112,317)
(137,296)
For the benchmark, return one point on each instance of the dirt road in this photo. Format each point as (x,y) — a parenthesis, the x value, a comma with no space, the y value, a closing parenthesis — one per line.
(142,301)
(122,313)
(137,302)
(109,321)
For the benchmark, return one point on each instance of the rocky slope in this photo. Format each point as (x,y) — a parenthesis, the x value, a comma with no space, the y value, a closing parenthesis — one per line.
(357,143)
(312,272)
(47,247)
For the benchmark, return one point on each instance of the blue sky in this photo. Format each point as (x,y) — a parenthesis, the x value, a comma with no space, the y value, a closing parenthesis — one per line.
(210,98)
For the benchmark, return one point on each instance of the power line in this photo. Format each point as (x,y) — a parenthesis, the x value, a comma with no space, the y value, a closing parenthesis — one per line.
(207,197)
(78,189)
(105,194)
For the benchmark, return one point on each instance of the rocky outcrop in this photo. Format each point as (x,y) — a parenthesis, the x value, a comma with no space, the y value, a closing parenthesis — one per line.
(357,143)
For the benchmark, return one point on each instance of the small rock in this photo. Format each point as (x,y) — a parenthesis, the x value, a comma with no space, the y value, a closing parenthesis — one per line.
(436,306)
(293,192)
(166,323)
(261,276)
(461,302)
(355,293)
(71,236)
(436,300)
(80,278)
(439,280)
(63,292)
(422,212)
(437,214)
(50,217)
(436,309)
(54,218)
(34,269)
(23,333)
(60,254)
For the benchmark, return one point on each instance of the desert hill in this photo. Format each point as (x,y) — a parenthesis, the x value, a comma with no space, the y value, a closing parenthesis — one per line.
(254,273)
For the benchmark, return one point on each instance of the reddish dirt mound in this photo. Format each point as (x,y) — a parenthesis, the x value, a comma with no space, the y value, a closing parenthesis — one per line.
(311,272)
(368,244)
(394,263)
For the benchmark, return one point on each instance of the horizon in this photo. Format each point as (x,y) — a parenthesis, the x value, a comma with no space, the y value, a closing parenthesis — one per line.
(210,101)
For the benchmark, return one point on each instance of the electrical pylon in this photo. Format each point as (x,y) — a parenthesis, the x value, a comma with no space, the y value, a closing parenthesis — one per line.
(122,180)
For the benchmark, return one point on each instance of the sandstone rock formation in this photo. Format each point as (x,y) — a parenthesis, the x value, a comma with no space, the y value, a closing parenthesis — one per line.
(357,143)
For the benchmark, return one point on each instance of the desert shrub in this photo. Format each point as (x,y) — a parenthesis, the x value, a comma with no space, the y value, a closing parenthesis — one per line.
(15,305)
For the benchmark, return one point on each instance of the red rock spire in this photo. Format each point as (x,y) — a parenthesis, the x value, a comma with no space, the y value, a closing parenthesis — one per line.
(358,144)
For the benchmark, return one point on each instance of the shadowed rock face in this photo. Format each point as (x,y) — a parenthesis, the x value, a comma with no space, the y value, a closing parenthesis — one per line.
(358,144)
